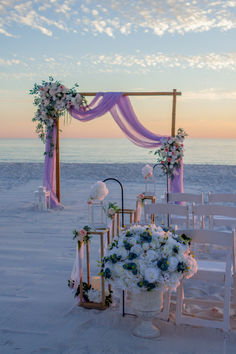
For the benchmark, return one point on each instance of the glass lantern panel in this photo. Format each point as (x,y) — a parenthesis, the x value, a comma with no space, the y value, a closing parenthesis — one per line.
(150,186)
(96,215)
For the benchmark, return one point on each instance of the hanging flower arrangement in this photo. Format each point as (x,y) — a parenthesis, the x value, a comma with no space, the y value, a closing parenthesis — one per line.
(171,152)
(112,209)
(53,100)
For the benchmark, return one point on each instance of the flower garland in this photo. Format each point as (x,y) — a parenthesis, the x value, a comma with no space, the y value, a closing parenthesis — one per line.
(82,235)
(112,208)
(171,153)
(148,258)
(92,295)
(53,100)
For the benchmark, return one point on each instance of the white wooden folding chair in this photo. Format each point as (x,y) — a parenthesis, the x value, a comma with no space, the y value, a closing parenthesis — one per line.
(208,271)
(227,217)
(189,199)
(170,211)
(153,210)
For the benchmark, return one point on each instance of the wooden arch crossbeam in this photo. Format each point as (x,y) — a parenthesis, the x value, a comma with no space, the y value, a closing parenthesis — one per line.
(174,95)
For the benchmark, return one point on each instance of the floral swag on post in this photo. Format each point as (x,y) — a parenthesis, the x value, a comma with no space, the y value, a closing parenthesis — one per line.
(171,152)
(148,258)
(53,100)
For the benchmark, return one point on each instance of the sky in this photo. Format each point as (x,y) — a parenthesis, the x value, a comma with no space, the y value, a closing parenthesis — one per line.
(110,45)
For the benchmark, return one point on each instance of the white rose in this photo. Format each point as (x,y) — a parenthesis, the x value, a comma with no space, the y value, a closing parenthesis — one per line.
(152,274)
(151,255)
(137,249)
(173,262)
(146,246)
(122,252)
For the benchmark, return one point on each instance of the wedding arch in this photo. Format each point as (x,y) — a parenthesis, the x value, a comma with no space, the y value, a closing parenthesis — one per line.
(55,99)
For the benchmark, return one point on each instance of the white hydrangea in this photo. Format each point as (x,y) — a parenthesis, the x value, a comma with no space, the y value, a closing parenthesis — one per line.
(173,262)
(98,191)
(146,246)
(152,274)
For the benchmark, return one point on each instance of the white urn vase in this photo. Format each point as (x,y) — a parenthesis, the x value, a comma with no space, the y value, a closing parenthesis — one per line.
(146,305)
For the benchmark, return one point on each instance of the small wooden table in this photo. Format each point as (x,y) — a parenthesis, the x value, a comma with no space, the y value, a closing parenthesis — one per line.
(153,201)
(132,217)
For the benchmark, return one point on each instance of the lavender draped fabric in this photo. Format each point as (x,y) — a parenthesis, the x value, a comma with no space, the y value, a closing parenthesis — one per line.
(122,112)
(49,175)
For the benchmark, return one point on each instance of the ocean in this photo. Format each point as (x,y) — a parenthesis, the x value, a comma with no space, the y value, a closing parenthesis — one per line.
(117,150)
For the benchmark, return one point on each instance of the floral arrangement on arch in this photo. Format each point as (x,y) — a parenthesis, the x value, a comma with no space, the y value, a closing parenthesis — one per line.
(53,100)
(171,153)
(148,258)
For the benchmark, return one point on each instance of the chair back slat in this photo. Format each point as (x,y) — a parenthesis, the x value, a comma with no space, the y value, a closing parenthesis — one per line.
(162,208)
(185,197)
(221,198)
(218,238)
(209,210)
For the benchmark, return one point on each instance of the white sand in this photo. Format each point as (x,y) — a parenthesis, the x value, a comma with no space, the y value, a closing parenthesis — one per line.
(37,311)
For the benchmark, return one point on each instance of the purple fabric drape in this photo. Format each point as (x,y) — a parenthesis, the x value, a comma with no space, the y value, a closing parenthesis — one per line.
(49,175)
(122,112)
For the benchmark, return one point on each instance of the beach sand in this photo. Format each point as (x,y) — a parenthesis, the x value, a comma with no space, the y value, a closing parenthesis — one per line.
(38,311)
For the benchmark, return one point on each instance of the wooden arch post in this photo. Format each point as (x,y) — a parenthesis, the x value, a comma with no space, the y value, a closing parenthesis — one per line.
(174,94)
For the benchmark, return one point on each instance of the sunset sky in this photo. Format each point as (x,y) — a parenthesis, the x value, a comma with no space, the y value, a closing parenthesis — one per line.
(110,45)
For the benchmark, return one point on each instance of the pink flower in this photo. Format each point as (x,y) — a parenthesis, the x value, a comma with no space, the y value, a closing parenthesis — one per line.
(141,196)
(81,234)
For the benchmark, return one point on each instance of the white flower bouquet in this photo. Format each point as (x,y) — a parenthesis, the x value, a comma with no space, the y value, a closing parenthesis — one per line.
(148,258)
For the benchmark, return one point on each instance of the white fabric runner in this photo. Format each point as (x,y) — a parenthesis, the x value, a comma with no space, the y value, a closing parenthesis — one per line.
(77,270)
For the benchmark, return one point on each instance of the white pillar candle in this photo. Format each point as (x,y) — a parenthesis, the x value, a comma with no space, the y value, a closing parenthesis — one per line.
(96,280)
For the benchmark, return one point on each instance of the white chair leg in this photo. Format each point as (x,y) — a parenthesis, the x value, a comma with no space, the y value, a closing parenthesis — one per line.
(179,302)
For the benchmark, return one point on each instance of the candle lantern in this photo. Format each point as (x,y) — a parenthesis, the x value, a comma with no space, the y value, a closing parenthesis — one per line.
(94,294)
(150,186)
(96,215)
(150,183)
(42,199)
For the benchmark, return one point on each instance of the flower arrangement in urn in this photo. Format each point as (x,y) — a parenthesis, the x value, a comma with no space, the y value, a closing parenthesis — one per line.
(148,258)
(171,152)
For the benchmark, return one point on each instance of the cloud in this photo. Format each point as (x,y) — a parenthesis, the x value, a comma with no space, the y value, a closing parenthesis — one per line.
(210,94)
(137,63)
(212,61)
(157,17)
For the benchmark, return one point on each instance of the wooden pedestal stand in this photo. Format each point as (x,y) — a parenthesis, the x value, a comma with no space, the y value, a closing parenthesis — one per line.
(153,201)
(132,218)
(93,305)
